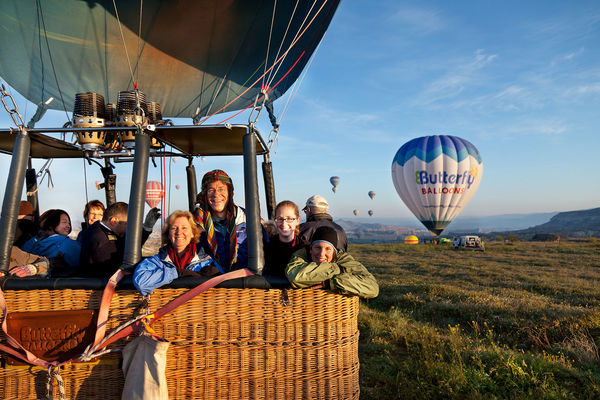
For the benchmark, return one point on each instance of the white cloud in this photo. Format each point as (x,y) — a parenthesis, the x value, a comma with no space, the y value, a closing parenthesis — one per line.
(420,21)
(455,80)
(585,89)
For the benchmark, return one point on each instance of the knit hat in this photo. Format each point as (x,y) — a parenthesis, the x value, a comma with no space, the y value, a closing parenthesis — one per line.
(325,234)
(216,175)
(317,201)
(25,208)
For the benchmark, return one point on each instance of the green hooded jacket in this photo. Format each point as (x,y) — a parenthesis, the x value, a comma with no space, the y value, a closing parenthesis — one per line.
(346,275)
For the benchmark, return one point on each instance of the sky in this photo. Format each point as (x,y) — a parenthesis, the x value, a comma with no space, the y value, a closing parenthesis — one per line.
(519,80)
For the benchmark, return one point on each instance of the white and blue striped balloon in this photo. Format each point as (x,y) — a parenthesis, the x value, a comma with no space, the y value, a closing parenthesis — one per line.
(436,176)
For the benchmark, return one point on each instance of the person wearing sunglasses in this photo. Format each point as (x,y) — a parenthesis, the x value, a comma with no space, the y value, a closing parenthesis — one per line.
(285,241)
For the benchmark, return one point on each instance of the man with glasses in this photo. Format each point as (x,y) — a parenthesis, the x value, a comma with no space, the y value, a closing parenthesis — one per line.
(224,223)
(316,216)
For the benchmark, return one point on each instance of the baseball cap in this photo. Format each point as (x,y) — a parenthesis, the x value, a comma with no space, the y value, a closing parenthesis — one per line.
(316,201)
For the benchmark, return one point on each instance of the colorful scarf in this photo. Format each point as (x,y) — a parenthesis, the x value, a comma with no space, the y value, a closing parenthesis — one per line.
(186,257)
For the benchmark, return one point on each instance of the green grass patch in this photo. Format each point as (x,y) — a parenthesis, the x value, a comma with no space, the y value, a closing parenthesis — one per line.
(518,321)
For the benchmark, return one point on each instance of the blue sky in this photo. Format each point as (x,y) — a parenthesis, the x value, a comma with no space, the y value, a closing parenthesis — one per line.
(519,80)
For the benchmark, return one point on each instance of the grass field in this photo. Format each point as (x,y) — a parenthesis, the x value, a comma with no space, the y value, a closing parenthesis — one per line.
(518,321)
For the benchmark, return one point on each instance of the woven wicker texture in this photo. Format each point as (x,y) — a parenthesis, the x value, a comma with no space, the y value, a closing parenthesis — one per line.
(225,344)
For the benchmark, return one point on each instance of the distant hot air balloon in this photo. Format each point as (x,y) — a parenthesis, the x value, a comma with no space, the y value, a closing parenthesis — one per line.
(334,180)
(154,193)
(411,239)
(436,176)
(98,185)
(371,213)
(175,159)
(371,194)
(203,158)
(355,212)
(177,187)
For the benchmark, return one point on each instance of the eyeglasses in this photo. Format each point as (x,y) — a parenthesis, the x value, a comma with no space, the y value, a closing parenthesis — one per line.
(289,220)
(221,191)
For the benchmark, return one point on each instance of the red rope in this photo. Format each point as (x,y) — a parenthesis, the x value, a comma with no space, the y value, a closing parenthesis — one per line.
(280,59)
(269,91)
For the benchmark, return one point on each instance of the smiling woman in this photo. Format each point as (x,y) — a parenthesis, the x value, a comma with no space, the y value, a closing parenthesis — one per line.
(181,255)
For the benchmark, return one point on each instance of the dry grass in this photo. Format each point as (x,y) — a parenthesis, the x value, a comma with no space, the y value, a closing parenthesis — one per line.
(520,320)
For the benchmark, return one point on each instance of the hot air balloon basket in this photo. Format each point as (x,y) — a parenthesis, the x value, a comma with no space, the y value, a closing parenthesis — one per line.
(224,344)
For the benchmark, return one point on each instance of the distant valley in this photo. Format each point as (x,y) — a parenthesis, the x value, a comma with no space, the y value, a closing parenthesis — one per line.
(570,224)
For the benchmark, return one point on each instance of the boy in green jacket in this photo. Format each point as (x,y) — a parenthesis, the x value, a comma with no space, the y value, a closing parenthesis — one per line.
(323,262)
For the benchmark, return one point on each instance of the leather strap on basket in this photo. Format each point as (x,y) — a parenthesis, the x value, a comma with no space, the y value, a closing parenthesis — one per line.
(23,354)
(173,304)
(107,296)
(15,349)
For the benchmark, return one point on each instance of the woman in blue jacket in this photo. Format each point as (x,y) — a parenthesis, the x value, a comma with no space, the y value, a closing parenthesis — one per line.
(53,240)
(181,255)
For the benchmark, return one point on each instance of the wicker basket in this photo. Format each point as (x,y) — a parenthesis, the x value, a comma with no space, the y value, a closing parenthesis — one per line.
(225,344)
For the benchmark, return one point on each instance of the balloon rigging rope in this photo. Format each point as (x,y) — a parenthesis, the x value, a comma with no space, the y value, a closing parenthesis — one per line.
(123,40)
(212,102)
(297,85)
(284,36)
(269,42)
(139,52)
(270,68)
(50,56)
(261,97)
(274,74)
(85,180)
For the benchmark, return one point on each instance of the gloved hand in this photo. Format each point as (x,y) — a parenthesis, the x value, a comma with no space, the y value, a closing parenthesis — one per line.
(151,218)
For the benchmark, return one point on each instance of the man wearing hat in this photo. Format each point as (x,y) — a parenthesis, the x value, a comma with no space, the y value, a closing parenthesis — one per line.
(224,223)
(316,216)
(324,262)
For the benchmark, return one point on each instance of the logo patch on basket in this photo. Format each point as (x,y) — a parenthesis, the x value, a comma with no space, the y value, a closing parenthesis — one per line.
(52,335)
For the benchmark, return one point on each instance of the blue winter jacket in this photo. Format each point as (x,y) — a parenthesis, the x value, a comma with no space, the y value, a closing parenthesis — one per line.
(50,246)
(159,270)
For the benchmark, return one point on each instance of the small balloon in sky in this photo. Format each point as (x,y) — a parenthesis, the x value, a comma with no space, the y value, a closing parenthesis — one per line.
(371,194)
(335,181)
(203,158)
(436,176)
(177,187)
(371,213)
(175,159)
(155,192)
(355,212)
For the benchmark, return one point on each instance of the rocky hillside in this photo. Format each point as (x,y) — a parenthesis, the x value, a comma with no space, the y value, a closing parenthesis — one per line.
(582,223)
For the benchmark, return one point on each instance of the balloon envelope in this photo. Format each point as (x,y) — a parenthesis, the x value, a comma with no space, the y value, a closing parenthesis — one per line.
(334,180)
(411,239)
(355,212)
(177,187)
(194,57)
(154,193)
(436,176)
(371,213)
(372,194)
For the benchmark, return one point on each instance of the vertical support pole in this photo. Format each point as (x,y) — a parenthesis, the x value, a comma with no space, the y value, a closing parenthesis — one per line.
(191,185)
(253,226)
(12,197)
(31,187)
(137,196)
(267,169)
(110,183)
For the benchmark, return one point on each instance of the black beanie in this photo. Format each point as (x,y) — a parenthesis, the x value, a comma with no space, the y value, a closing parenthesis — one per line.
(327,234)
